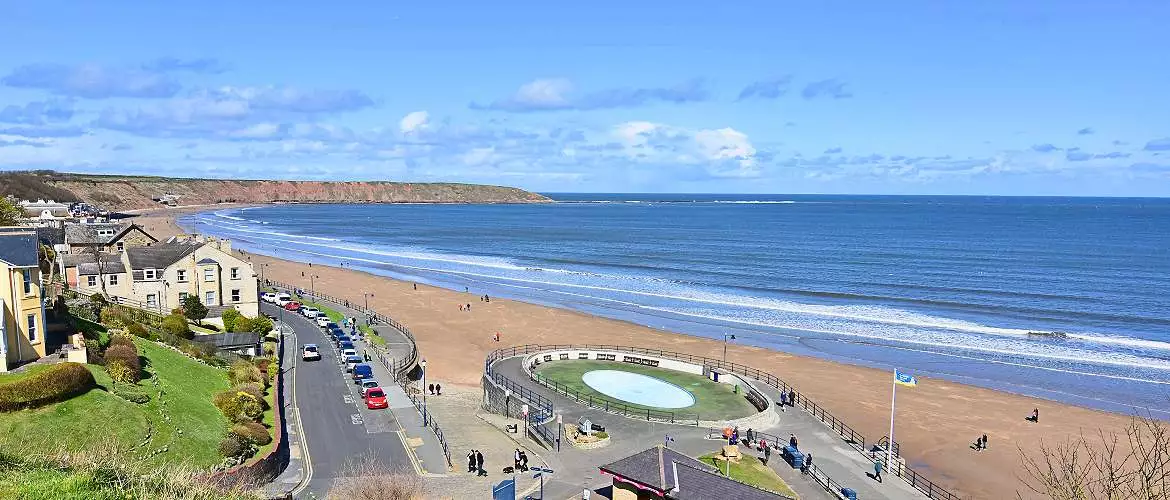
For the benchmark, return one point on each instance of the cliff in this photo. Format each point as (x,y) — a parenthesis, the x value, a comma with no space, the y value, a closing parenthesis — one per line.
(114,192)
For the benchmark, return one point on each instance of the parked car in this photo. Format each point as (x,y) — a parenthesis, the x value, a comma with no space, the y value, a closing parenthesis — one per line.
(268,297)
(351,362)
(324,322)
(310,353)
(348,352)
(336,332)
(292,306)
(345,344)
(367,384)
(282,299)
(310,312)
(362,371)
(376,399)
(343,338)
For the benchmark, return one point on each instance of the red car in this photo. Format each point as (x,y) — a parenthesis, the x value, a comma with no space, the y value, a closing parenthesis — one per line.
(376,399)
(293,306)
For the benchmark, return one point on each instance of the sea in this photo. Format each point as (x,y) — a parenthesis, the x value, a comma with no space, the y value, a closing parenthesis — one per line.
(1061,298)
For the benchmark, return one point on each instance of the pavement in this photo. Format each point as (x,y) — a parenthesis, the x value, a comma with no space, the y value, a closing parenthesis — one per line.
(329,426)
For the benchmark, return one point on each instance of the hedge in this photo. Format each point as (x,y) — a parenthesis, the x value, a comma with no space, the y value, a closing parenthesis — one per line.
(254,432)
(58,383)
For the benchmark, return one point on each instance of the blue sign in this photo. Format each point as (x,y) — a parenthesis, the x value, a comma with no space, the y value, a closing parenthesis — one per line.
(506,490)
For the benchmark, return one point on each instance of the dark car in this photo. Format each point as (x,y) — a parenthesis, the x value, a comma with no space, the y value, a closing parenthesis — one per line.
(362,371)
(343,338)
(345,344)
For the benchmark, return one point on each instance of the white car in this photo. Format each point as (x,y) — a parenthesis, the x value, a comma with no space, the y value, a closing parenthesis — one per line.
(268,297)
(323,321)
(348,352)
(351,362)
(310,353)
(283,298)
(310,312)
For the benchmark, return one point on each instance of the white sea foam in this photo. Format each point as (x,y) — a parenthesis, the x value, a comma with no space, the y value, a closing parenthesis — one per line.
(756,202)
(226,216)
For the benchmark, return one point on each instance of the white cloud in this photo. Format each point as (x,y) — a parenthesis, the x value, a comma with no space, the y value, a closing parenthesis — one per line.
(478,156)
(413,122)
(724,152)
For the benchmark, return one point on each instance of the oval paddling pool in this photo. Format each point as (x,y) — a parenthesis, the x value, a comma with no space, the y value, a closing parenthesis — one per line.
(638,389)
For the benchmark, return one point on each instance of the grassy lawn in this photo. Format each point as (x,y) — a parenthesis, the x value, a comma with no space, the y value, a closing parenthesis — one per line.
(99,417)
(751,471)
(713,401)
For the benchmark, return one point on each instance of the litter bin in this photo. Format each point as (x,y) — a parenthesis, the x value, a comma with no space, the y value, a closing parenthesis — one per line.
(849,493)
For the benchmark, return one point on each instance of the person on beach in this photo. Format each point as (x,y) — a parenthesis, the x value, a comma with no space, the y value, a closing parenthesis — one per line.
(460,307)
(1034,417)
(431,389)
(487,298)
(469,307)
(416,286)
(497,336)
(438,390)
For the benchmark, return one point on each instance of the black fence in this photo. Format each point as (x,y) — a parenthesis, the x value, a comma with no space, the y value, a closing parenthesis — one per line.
(847,433)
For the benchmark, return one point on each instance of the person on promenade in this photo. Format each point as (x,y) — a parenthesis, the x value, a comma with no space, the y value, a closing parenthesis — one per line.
(524,461)
(807,463)
(1035,417)
(471,461)
(792,397)
(792,441)
(750,437)
(431,389)
(783,401)
(479,464)
(516,459)
(763,443)
(438,390)
(767,454)
(877,470)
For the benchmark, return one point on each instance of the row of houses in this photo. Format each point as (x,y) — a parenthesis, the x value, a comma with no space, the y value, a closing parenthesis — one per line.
(121,261)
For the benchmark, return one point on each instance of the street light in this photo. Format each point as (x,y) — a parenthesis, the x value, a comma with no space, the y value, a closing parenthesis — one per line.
(263,268)
(726,337)
(313,285)
(366,298)
(423,364)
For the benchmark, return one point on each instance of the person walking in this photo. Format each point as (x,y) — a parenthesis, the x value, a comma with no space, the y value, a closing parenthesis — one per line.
(792,441)
(416,286)
(479,464)
(791,397)
(438,390)
(516,459)
(807,463)
(783,401)
(750,436)
(471,461)
(524,461)
(431,389)
(877,471)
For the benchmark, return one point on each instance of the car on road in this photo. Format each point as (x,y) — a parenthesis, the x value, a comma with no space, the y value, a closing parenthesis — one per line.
(292,306)
(376,399)
(345,344)
(324,322)
(268,297)
(342,337)
(348,352)
(362,371)
(310,312)
(310,353)
(282,299)
(352,361)
(366,385)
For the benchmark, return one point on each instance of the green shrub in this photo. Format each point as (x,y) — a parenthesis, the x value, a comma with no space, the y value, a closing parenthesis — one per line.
(176,325)
(229,318)
(243,372)
(131,393)
(242,324)
(232,446)
(261,325)
(127,357)
(57,383)
(121,339)
(137,330)
(112,318)
(238,406)
(256,391)
(194,309)
(253,432)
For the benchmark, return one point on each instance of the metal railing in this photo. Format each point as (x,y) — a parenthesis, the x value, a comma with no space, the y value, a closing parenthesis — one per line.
(847,433)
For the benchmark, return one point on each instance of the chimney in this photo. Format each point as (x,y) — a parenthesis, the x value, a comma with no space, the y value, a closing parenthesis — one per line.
(225,246)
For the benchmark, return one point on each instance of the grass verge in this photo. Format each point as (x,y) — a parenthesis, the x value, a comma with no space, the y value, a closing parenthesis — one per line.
(713,401)
(751,471)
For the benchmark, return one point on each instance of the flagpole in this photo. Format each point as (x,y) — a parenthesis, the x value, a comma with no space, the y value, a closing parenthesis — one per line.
(890,445)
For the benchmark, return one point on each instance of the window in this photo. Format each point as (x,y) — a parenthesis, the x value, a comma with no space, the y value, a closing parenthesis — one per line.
(209,299)
(151,300)
(113,280)
(91,281)
(236,295)
(181,275)
(150,274)
(105,232)
(209,274)
(235,273)
(121,246)
(32,328)
(27,275)
(182,296)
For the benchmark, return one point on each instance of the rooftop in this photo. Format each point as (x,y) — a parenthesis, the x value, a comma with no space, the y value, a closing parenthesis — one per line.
(19,247)
(656,467)
(159,256)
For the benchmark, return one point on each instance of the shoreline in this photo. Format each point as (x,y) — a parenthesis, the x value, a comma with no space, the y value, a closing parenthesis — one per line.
(936,421)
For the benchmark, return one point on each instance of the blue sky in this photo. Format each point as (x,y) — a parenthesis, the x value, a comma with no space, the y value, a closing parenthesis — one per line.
(912,97)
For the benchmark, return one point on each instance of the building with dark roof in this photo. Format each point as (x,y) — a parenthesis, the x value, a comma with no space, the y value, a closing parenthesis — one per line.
(22,313)
(106,237)
(662,473)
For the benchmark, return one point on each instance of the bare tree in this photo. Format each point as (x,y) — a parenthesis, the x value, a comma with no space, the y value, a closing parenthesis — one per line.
(96,253)
(369,479)
(1132,465)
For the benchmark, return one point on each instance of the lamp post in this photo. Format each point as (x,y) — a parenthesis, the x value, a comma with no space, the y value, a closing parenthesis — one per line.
(366,298)
(422,363)
(313,285)
(726,337)
(263,273)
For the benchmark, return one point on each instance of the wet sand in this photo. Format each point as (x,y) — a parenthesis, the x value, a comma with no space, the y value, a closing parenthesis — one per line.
(937,421)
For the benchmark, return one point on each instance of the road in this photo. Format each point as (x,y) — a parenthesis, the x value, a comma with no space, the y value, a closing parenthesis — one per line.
(337,428)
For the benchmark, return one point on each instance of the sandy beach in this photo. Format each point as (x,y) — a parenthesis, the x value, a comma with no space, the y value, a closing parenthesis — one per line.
(937,421)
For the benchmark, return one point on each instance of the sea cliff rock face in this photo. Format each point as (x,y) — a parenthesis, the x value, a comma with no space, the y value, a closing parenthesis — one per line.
(128,193)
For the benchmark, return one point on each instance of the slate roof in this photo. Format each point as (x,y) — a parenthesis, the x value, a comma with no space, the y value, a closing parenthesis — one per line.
(86,264)
(207,260)
(656,467)
(229,340)
(51,235)
(86,234)
(19,248)
(159,256)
